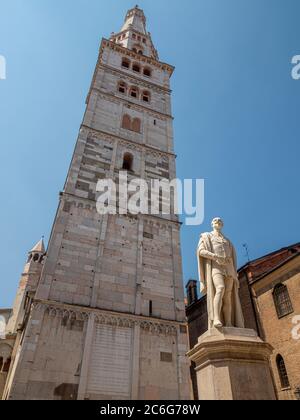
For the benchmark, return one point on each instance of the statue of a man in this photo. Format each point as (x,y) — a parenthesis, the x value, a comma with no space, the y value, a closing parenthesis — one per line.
(219,279)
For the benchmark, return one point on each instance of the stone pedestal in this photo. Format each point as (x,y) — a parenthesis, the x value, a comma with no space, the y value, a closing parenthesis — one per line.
(233,364)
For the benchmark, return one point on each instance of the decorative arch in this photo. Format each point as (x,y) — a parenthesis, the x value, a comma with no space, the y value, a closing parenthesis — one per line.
(134,92)
(136,125)
(5,357)
(126,122)
(138,49)
(122,87)
(131,124)
(146,96)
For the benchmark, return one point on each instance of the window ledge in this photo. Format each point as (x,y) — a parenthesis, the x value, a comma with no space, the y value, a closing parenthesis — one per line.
(285,315)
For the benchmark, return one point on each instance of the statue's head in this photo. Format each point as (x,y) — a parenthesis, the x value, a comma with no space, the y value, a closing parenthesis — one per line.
(217,224)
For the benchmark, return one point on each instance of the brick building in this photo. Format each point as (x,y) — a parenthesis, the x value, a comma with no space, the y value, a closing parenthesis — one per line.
(270,296)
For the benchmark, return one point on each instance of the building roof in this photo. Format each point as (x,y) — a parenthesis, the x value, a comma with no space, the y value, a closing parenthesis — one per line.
(292,257)
(39,247)
(264,265)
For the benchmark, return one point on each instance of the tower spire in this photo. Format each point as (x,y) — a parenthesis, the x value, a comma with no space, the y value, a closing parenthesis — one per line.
(39,247)
(28,284)
(136,20)
(134,35)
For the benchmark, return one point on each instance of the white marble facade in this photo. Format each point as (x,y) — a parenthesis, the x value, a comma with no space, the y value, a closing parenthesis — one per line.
(107,319)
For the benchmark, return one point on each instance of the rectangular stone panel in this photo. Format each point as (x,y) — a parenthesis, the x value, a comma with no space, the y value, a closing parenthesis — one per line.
(109,372)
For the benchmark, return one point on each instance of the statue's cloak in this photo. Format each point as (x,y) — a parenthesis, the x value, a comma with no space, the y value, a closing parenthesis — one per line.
(207,286)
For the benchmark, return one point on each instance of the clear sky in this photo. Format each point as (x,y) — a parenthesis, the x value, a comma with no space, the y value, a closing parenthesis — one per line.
(235,104)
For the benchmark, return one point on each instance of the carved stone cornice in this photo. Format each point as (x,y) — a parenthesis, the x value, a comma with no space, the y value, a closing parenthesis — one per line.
(138,57)
(70,313)
(152,220)
(133,78)
(138,107)
(139,146)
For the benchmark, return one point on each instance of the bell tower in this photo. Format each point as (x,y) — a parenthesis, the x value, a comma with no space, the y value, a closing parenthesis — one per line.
(28,284)
(108,320)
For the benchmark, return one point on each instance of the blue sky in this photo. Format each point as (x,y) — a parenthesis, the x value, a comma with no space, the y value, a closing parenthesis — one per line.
(235,104)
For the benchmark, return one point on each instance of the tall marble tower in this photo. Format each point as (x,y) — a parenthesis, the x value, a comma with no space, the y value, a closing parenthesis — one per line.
(107,320)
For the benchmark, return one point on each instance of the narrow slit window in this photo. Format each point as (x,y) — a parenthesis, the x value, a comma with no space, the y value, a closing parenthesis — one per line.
(127,162)
(150,308)
(125,63)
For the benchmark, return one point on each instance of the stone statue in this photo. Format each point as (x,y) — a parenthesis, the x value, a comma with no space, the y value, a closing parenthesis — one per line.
(219,279)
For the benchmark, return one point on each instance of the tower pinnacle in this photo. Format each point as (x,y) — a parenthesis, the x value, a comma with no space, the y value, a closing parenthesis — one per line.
(136,20)
(39,247)
(134,35)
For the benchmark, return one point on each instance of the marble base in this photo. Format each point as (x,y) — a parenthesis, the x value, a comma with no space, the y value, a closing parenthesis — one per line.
(233,364)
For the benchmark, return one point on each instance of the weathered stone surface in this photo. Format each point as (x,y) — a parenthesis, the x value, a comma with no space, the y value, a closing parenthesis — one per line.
(232,364)
(110,300)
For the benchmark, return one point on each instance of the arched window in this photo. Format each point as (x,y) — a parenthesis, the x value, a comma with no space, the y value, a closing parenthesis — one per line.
(127,162)
(136,125)
(6,365)
(138,49)
(126,122)
(125,63)
(122,87)
(146,96)
(129,124)
(36,257)
(282,300)
(284,379)
(134,36)
(136,68)
(147,72)
(134,92)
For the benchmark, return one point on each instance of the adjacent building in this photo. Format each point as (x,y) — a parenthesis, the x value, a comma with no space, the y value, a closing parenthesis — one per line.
(270,296)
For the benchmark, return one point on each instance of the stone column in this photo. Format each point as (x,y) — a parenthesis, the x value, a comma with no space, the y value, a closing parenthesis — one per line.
(233,364)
